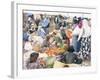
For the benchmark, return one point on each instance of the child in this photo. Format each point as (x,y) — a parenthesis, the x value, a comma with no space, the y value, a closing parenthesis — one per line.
(34,62)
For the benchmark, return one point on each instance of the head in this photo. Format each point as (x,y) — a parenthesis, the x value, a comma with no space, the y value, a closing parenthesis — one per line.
(33,57)
(54,32)
(75,20)
(30,31)
(31,16)
(48,37)
(85,23)
(80,22)
(71,49)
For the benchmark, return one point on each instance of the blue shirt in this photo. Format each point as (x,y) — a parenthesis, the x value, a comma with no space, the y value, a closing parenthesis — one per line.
(41,33)
(25,36)
(44,23)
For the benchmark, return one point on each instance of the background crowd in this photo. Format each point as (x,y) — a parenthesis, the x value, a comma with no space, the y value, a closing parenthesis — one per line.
(56,41)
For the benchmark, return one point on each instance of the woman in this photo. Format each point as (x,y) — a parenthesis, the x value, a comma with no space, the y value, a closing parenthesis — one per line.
(52,25)
(76,35)
(85,37)
(41,32)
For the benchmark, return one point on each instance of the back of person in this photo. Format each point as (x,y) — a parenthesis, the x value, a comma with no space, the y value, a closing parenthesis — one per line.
(71,57)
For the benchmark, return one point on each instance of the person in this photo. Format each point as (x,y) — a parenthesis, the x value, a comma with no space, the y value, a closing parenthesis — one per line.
(25,36)
(30,19)
(68,33)
(52,25)
(58,21)
(46,42)
(85,37)
(27,46)
(34,27)
(32,62)
(41,32)
(26,43)
(35,63)
(76,35)
(57,39)
(69,57)
(45,23)
(37,19)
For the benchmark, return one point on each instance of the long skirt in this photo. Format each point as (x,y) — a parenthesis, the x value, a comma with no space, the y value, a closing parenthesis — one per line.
(85,48)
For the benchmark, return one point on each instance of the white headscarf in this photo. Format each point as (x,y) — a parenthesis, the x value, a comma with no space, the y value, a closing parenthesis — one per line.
(86,28)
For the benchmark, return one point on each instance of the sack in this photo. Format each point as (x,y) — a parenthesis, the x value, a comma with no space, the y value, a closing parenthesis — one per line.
(50,62)
(58,64)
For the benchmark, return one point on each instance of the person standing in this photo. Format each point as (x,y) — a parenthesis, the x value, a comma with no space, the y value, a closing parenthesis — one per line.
(77,31)
(85,37)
